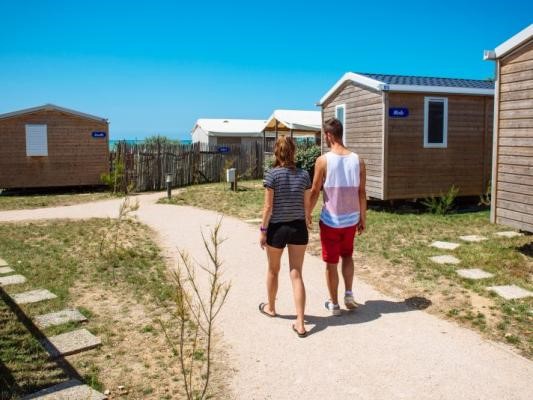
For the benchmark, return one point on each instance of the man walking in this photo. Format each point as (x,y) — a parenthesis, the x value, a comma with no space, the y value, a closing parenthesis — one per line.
(342,175)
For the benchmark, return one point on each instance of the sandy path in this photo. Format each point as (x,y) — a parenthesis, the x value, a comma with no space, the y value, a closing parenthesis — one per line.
(383,351)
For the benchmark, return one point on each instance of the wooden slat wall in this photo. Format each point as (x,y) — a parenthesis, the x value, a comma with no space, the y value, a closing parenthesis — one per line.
(363,130)
(513,189)
(417,172)
(74,157)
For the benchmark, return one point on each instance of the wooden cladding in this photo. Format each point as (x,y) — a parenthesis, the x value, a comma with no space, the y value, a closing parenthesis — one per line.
(513,184)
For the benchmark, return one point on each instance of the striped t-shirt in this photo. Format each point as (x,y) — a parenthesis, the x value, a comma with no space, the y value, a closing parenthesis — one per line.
(289,186)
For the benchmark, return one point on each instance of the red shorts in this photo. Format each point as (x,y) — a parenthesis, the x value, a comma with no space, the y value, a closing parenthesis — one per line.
(336,242)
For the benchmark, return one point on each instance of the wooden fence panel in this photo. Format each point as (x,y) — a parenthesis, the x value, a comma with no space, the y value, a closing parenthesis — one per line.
(146,165)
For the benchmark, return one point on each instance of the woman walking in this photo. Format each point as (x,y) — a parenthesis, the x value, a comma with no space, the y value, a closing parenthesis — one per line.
(285,215)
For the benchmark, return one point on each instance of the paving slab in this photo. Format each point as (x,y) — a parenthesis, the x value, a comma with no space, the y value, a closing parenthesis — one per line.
(3,263)
(473,238)
(59,318)
(12,280)
(70,390)
(6,270)
(33,296)
(509,234)
(510,292)
(474,273)
(445,245)
(71,343)
(445,259)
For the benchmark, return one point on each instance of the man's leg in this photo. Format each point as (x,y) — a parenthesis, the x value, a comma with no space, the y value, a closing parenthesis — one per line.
(332,279)
(348,272)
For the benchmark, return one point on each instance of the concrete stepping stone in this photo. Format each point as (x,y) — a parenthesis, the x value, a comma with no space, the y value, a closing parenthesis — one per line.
(12,280)
(59,318)
(474,273)
(71,343)
(3,263)
(33,296)
(445,259)
(510,292)
(6,270)
(69,390)
(473,238)
(253,220)
(445,245)
(509,234)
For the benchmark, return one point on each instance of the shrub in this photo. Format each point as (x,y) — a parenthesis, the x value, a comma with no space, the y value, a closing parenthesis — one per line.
(306,158)
(441,205)
(114,179)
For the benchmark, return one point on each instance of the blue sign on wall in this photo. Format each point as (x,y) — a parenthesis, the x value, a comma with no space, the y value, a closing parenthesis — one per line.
(398,112)
(99,134)
(223,149)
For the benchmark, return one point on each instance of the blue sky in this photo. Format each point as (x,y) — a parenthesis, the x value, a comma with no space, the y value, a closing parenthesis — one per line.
(156,66)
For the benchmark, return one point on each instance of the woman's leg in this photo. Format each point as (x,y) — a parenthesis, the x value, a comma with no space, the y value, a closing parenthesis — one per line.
(274,263)
(296,260)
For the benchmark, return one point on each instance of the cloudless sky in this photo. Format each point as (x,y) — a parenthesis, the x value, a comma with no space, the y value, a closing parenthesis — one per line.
(157,66)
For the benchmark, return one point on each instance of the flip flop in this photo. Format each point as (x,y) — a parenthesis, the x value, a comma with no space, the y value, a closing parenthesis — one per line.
(262,310)
(300,335)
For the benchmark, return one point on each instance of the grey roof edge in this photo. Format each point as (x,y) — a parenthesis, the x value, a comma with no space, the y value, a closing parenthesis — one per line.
(378,85)
(49,106)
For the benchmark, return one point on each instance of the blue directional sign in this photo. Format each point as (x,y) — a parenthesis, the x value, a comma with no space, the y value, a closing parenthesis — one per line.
(99,134)
(223,149)
(398,112)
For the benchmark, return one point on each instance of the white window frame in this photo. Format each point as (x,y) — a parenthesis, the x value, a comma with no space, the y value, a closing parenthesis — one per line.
(44,150)
(343,122)
(444,143)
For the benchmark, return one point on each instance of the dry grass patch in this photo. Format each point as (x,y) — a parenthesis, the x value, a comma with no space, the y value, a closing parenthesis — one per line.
(20,202)
(124,295)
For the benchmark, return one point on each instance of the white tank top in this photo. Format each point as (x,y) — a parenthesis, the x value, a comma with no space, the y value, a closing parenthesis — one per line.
(341,190)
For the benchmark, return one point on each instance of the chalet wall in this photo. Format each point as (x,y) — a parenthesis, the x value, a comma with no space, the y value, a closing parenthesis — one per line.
(415,172)
(74,156)
(513,203)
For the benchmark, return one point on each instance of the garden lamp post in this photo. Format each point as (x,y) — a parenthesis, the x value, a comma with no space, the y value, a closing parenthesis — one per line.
(169,189)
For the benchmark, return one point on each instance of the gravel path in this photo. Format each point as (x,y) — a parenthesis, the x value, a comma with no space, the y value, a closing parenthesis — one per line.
(383,351)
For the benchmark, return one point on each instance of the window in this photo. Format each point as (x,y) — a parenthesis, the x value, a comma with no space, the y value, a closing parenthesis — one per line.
(36,140)
(436,122)
(340,114)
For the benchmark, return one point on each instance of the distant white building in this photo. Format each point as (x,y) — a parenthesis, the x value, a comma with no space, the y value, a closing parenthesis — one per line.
(227,131)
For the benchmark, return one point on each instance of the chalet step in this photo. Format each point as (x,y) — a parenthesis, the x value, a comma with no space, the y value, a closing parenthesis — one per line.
(3,263)
(71,343)
(59,318)
(33,296)
(6,270)
(70,390)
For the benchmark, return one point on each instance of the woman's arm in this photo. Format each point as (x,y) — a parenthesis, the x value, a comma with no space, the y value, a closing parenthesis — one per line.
(267,213)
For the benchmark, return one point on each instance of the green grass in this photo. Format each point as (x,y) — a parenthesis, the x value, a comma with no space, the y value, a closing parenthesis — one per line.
(401,239)
(59,256)
(19,202)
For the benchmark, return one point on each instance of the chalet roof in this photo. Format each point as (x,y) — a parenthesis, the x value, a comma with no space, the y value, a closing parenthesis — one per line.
(510,44)
(297,120)
(51,107)
(242,127)
(409,83)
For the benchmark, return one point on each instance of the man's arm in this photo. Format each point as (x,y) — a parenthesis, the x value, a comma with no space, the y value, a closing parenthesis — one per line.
(362,197)
(318,181)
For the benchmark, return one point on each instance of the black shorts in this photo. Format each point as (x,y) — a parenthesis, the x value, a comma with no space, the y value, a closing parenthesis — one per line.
(280,234)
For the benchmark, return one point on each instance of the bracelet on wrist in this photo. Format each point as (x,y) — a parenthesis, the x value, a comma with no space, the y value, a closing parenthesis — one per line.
(262,228)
